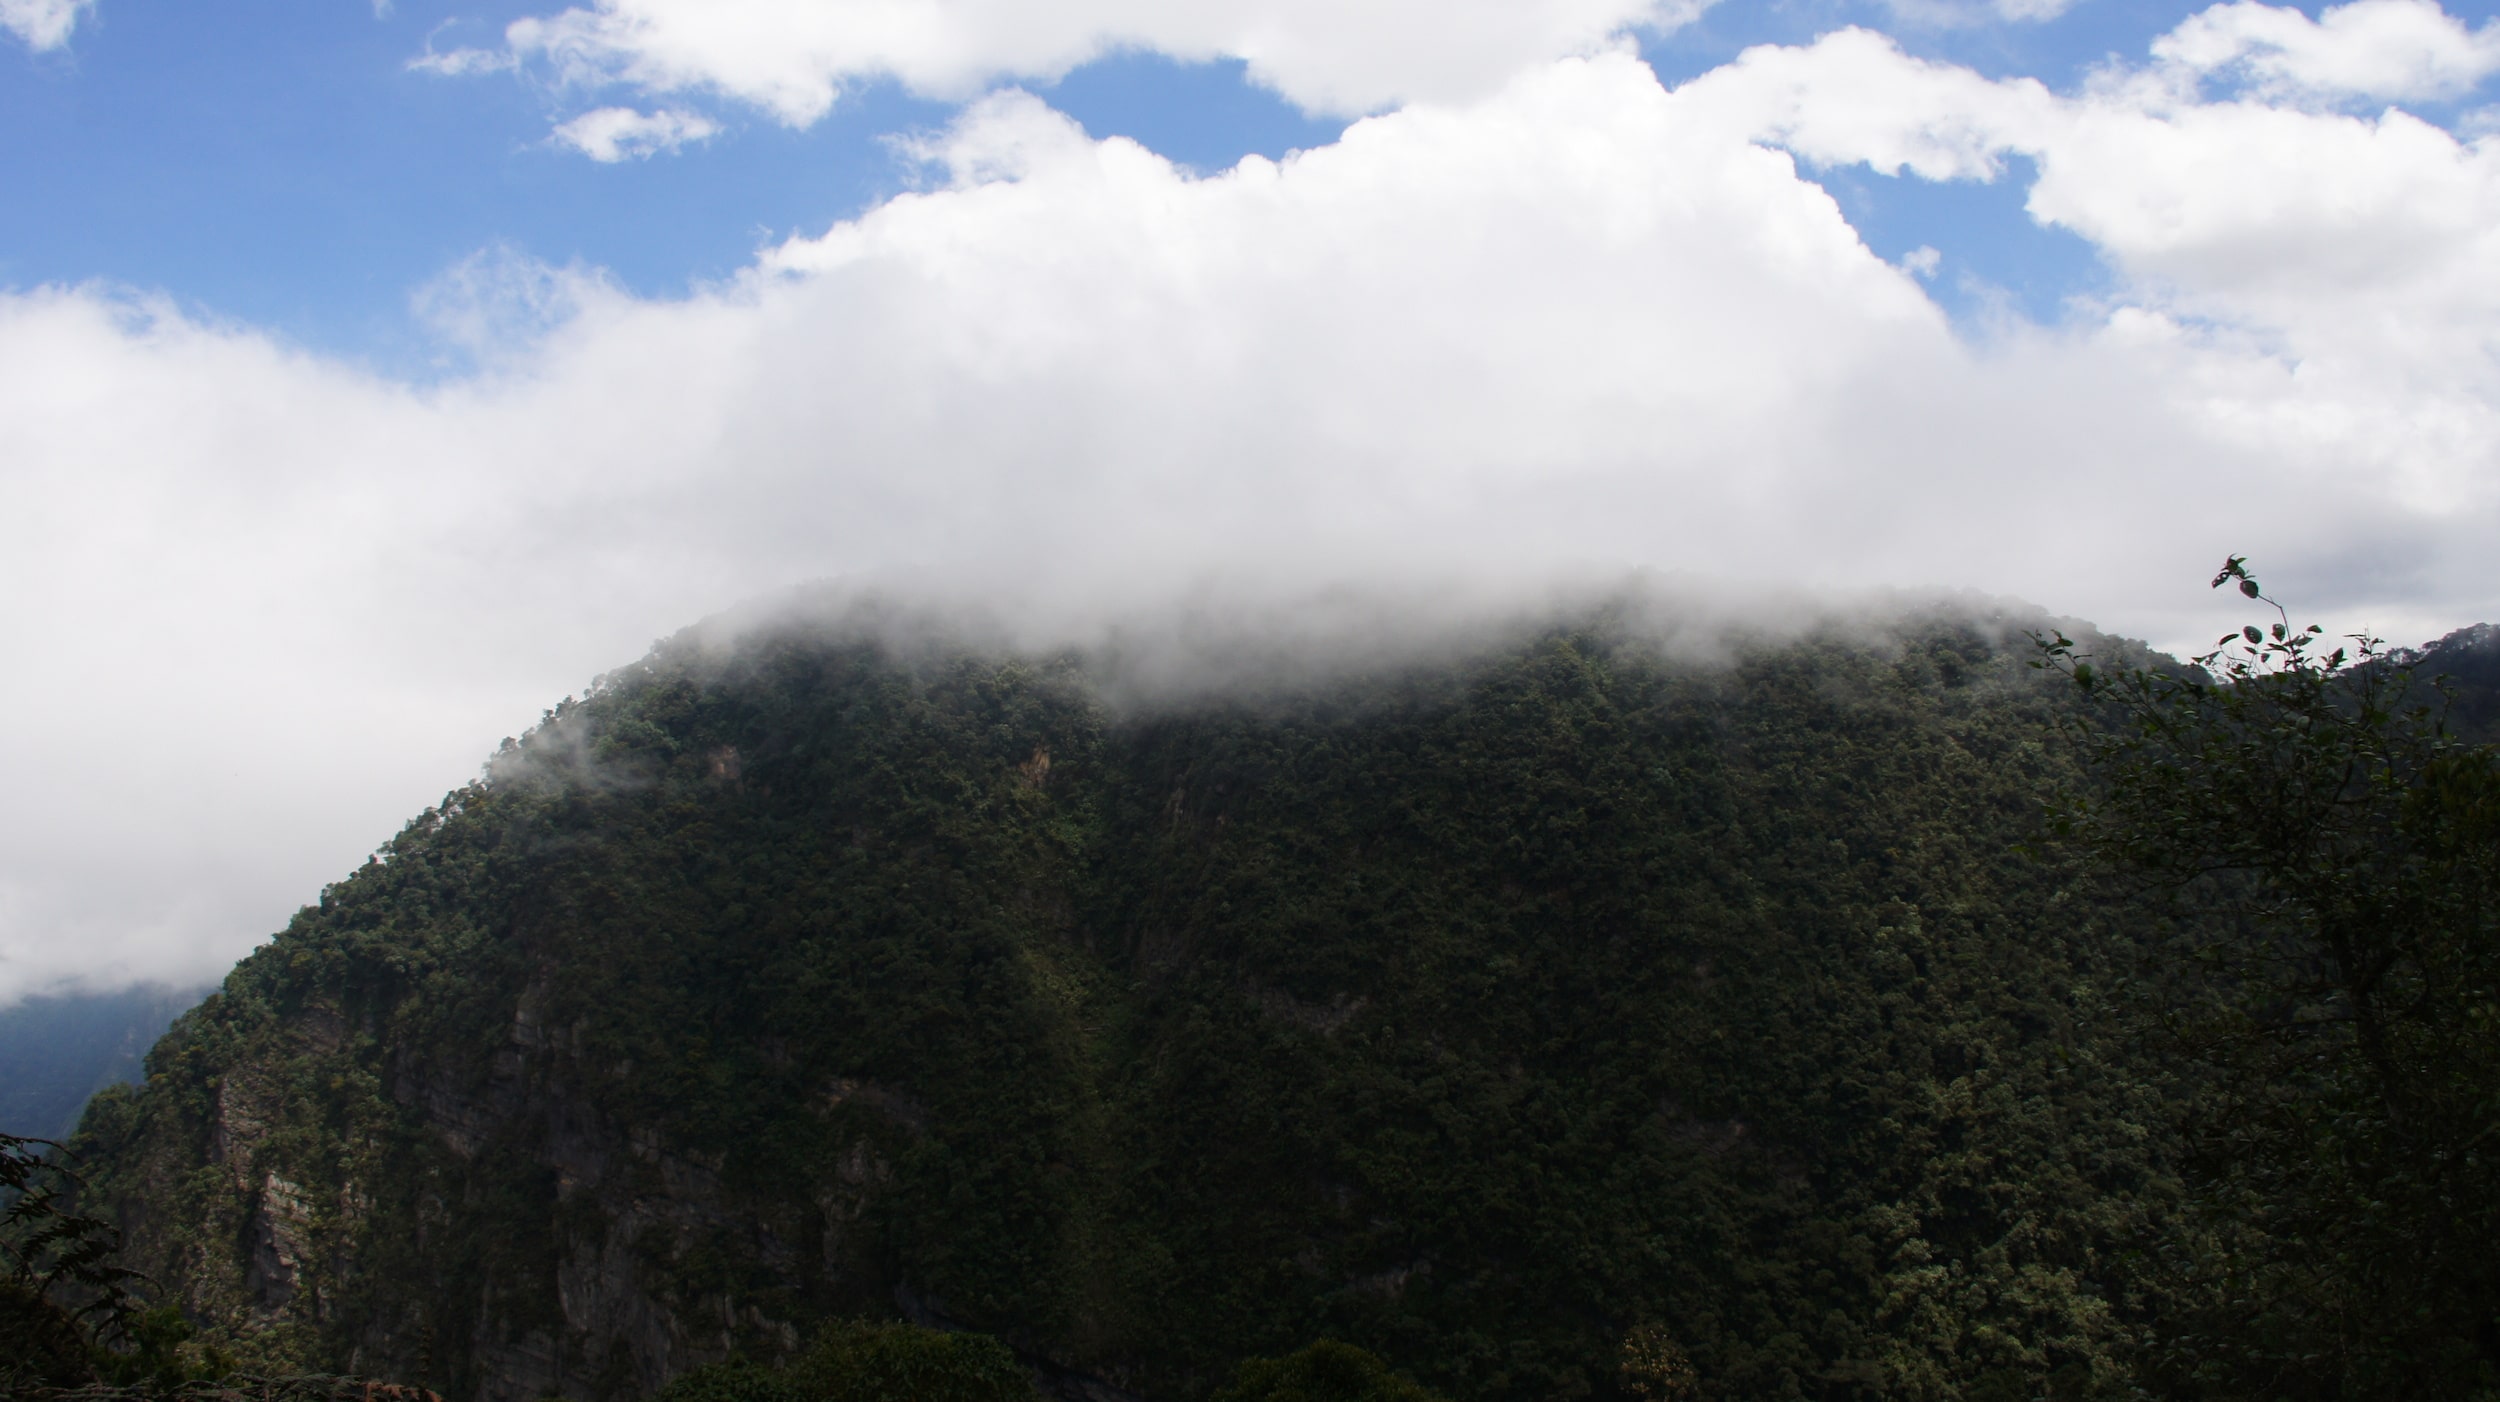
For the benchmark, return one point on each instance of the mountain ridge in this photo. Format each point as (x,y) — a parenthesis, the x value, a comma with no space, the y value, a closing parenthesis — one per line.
(1476,1012)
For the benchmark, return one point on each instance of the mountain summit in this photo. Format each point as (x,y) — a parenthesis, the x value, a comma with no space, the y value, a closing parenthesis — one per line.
(1480,1010)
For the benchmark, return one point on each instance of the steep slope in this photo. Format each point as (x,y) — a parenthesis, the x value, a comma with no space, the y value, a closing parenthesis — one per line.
(1473,1012)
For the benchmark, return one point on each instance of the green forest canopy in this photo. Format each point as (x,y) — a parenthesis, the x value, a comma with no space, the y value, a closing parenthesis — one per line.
(1488,1015)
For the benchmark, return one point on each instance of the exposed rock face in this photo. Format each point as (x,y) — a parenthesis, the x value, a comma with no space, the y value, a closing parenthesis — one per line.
(618,1320)
(630,1206)
(1476,1017)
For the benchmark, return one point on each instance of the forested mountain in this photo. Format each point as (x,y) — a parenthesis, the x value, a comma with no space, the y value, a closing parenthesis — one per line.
(56,1050)
(2466,665)
(1479,1011)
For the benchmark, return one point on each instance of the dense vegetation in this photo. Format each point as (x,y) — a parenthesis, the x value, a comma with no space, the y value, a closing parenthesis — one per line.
(865,1361)
(1327,1371)
(2337,994)
(71,1317)
(1518,1018)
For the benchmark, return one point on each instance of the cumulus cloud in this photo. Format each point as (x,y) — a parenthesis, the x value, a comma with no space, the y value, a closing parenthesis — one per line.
(2360,255)
(612,134)
(42,24)
(1854,98)
(2397,50)
(793,57)
(265,604)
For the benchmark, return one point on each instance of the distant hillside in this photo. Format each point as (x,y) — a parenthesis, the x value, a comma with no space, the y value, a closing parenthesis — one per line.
(55,1052)
(1477,1013)
(2469,661)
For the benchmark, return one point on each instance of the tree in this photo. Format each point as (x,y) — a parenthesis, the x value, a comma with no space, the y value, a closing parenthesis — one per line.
(1654,1367)
(61,1293)
(1327,1371)
(872,1362)
(865,1361)
(2332,853)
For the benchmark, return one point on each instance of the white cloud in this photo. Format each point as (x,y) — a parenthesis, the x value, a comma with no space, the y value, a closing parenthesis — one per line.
(2362,254)
(463,63)
(2031,11)
(1854,98)
(274,603)
(1957,14)
(792,57)
(2380,49)
(612,134)
(497,306)
(42,24)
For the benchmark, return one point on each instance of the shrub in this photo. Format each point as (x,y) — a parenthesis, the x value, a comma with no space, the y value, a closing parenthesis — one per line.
(1326,1371)
(866,1362)
(861,1361)
(40,1345)
(731,1382)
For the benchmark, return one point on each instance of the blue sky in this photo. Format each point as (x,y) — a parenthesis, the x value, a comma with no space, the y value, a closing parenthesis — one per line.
(281,164)
(373,375)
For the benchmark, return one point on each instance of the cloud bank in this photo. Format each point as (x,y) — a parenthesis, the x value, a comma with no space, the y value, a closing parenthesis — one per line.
(263,605)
